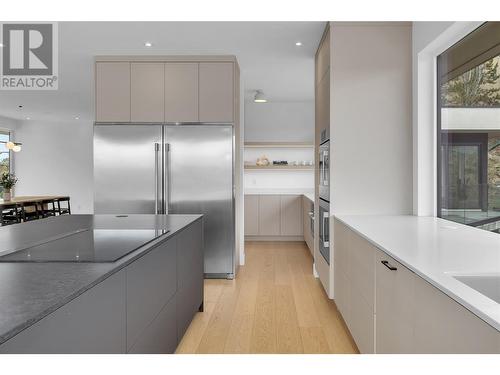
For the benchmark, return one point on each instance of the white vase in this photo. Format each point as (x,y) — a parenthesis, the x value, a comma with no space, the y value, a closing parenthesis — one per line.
(7,195)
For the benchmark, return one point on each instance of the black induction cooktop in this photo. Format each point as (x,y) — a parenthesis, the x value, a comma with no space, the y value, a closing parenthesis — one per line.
(84,246)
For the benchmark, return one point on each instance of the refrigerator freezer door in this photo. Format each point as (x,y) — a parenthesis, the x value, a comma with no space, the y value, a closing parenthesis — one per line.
(199,180)
(125,175)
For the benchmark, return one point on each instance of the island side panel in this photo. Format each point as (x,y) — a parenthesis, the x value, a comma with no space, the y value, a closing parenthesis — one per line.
(190,268)
(92,323)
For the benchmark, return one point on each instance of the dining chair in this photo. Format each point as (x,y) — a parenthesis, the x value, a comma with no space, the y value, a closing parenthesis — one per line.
(30,211)
(48,208)
(63,210)
(10,214)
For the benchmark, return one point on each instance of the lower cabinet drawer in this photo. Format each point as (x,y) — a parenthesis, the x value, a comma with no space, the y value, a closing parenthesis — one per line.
(361,322)
(189,300)
(151,283)
(442,325)
(160,337)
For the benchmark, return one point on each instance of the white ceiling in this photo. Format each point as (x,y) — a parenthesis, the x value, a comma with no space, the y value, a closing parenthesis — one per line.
(268,57)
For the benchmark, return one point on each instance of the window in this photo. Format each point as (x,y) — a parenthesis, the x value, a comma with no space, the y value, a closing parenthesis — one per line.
(469,130)
(4,154)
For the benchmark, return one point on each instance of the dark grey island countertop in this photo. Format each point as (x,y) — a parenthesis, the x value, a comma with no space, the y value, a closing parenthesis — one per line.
(30,291)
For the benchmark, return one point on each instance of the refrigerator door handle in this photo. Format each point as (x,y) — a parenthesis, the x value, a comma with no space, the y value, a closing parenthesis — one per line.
(157,150)
(166,170)
(322,168)
(326,162)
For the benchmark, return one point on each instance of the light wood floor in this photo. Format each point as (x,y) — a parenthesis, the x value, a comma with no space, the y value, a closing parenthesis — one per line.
(275,305)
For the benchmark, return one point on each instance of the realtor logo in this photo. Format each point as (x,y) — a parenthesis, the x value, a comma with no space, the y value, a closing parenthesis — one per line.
(28,56)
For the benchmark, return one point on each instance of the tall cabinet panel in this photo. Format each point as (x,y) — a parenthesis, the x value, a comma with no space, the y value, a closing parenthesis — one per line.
(216,92)
(322,130)
(147,92)
(113,92)
(181,92)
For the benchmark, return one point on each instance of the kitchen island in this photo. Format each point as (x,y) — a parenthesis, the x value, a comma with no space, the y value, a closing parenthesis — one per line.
(140,302)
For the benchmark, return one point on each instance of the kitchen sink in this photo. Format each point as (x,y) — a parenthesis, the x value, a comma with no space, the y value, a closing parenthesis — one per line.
(488,285)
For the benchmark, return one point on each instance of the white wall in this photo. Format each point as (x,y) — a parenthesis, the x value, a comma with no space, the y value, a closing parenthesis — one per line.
(56,159)
(475,119)
(370,118)
(279,121)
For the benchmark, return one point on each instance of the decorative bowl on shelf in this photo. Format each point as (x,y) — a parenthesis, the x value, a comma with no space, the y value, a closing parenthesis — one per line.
(263,161)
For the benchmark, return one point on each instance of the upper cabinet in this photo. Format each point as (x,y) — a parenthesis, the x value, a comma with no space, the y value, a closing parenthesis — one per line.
(113,92)
(170,89)
(181,92)
(323,56)
(216,92)
(147,92)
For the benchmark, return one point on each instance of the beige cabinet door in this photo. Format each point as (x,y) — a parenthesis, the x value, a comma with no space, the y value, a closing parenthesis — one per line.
(323,105)
(291,215)
(341,284)
(147,92)
(442,325)
(323,58)
(269,215)
(395,296)
(251,215)
(113,92)
(216,93)
(361,271)
(181,92)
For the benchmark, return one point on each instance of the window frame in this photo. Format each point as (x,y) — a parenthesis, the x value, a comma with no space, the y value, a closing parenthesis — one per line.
(9,133)
(439,139)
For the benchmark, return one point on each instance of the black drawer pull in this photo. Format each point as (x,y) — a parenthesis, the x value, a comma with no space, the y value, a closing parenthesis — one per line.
(386,263)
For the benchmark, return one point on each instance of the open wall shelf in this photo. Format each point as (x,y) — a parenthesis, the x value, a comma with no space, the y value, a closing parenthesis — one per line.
(278,145)
(282,167)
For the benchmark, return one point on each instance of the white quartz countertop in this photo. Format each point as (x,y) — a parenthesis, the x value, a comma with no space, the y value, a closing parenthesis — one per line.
(280,191)
(436,250)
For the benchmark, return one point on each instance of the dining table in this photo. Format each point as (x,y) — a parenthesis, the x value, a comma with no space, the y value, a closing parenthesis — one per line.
(30,199)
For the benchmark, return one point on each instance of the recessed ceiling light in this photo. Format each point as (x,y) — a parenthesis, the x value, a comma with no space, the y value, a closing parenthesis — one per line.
(298,44)
(77,118)
(28,118)
(259,97)
(148,44)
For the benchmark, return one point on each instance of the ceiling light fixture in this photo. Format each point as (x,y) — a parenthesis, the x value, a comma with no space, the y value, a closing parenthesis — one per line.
(259,97)
(28,118)
(14,146)
(148,44)
(77,118)
(298,44)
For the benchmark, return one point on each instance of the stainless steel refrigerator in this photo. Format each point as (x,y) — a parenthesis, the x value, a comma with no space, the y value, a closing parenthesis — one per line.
(174,169)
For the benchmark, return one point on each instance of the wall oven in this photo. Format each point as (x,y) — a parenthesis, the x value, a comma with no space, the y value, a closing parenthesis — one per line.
(324,171)
(324,229)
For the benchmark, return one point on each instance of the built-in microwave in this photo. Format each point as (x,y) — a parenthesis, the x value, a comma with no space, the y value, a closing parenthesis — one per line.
(324,229)
(324,171)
